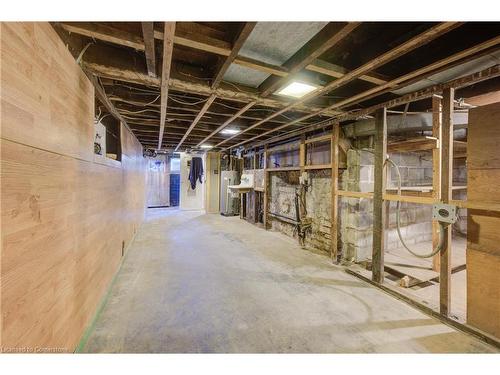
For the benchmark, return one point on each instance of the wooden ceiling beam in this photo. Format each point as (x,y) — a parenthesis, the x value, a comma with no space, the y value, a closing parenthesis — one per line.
(105,65)
(243,35)
(337,71)
(408,46)
(422,73)
(227,122)
(200,42)
(149,45)
(325,39)
(471,79)
(101,31)
(168,47)
(207,104)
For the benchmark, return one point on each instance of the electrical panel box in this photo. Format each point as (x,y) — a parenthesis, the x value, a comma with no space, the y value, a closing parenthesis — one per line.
(100,139)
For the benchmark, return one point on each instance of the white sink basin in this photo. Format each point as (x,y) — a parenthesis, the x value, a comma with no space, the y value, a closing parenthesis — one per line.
(246,184)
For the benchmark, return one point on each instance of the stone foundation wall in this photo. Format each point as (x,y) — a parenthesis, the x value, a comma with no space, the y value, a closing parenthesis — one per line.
(318,205)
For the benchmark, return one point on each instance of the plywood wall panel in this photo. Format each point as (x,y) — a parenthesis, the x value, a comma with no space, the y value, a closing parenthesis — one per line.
(483,291)
(66,215)
(483,137)
(45,90)
(483,234)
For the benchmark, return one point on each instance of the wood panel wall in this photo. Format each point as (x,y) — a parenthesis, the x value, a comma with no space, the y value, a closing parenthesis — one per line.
(483,235)
(67,215)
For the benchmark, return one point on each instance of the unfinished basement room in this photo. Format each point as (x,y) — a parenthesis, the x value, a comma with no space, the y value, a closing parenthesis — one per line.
(250,186)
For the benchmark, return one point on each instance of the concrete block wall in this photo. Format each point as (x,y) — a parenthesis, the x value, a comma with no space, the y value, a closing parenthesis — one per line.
(356,227)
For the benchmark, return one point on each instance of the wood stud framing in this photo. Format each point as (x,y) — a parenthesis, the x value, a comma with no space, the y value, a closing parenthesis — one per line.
(379,205)
(446,197)
(334,161)
(436,172)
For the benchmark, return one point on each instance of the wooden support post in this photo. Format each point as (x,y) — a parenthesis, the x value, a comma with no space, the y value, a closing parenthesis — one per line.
(334,161)
(255,194)
(446,185)
(436,172)
(266,187)
(379,205)
(242,197)
(302,153)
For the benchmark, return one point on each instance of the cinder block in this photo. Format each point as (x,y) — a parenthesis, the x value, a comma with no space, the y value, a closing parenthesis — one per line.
(366,173)
(362,253)
(366,158)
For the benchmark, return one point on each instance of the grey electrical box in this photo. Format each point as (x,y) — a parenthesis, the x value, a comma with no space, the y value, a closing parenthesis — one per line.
(444,213)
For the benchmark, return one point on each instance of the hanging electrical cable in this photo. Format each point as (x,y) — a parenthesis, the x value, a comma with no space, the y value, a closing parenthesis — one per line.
(440,244)
(442,225)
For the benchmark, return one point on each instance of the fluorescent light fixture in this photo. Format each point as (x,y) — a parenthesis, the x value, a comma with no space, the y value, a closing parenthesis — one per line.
(230,131)
(206,146)
(297,89)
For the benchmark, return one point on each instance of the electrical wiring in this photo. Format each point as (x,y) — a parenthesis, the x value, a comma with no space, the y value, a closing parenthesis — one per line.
(137,88)
(82,52)
(141,111)
(440,244)
(187,103)
(151,102)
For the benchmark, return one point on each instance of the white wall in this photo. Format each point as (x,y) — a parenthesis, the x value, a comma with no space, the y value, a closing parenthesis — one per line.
(192,199)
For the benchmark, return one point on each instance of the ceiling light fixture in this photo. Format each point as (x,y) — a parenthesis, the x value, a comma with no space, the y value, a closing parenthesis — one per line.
(297,89)
(230,131)
(206,146)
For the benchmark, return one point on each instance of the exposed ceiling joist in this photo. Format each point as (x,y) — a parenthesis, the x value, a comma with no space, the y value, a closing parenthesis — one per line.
(422,72)
(238,43)
(228,122)
(203,43)
(337,71)
(470,79)
(208,103)
(124,71)
(325,39)
(149,45)
(100,31)
(410,45)
(168,46)
(103,98)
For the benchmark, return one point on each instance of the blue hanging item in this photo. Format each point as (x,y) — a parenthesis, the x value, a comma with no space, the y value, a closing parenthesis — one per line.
(195,171)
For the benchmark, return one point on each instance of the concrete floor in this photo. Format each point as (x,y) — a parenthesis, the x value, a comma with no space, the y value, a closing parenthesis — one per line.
(421,269)
(205,283)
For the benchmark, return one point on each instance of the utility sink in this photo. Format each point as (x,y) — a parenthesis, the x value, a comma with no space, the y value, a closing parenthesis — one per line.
(247,183)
